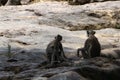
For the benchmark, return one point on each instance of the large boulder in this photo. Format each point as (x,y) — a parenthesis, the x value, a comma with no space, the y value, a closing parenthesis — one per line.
(6,75)
(67,76)
(82,2)
(99,69)
(96,73)
(112,53)
(89,16)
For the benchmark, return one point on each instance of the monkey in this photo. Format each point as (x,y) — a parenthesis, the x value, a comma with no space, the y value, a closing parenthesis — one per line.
(54,51)
(92,47)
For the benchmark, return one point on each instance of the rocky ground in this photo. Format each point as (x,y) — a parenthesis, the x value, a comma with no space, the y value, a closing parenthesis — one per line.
(26,30)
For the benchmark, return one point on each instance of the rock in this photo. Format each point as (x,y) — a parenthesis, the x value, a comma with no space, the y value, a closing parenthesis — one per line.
(20,66)
(117,62)
(28,74)
(105,73)
(90,16)
(95,68)
(99,67)
(37,73)
(81,2)
(39,78)
(32,30)
(12,60)
(6,75)
(67,76)
(98,61)
(34,55)
(113,53)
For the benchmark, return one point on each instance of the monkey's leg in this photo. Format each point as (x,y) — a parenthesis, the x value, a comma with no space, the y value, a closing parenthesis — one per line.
(59,57)
(49,56)
(52,58)
(84,54)
(63,57)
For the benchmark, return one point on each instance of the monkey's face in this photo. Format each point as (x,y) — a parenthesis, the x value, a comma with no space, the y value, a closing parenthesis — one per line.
(90,32)
(58,38)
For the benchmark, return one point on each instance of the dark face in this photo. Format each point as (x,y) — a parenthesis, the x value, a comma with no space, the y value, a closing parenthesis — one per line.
(90,32)
(58,37)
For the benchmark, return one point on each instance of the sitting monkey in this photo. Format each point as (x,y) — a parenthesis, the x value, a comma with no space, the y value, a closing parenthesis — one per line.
(91,47)
(54,50)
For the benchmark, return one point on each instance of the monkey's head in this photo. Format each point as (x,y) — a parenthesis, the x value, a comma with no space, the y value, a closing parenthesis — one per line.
(90,32)
(58,37)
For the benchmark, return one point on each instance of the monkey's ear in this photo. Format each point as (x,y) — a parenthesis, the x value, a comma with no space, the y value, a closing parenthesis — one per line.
(58,35)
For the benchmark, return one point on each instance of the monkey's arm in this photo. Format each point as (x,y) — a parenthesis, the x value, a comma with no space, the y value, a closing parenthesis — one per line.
(61,48)
(88,46)
(78,50)
(62,52)
(85,48)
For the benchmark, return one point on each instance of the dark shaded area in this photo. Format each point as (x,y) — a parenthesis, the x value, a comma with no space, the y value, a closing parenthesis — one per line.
(78,2)
(14,2)
(96,73)
(3,2)
(82,2)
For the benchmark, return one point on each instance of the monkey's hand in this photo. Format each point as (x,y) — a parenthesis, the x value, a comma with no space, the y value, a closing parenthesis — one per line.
(78,50)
